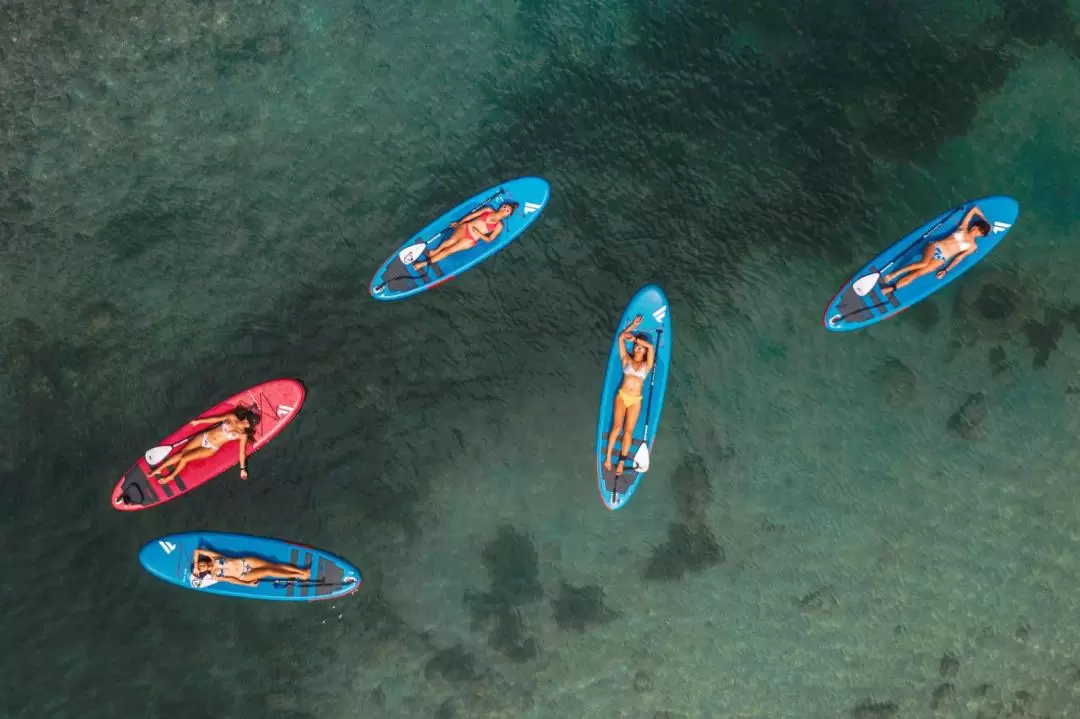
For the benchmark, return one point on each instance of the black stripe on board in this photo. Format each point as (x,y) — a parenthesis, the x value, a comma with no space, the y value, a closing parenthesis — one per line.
(179,481)
(290,590)
(167,489)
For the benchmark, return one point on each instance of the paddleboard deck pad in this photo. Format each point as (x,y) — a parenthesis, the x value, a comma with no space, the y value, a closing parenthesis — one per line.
(277,403)
(849,310)
(170,558)
(397,279)
(651,303)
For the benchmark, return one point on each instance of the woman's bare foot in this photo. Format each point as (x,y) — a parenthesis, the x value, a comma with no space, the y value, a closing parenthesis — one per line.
(607,463)
(887,290)
(420,265)
(619,467)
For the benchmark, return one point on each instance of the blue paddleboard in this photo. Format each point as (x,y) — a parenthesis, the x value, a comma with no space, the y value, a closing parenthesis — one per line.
(851,310)
(651,303)
(170,558)
(398,279)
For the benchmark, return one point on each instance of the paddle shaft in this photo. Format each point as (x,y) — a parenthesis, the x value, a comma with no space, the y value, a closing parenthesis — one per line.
(309,583)
(386,281)
(648,406)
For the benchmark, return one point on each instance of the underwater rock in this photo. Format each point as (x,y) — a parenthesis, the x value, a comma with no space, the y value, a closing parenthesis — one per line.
(1022,633)
(578,607)
(453,664)
(513,564)
(998,361)
(995,302)
(948,666)
(447,710)
(642,682)
(378,697)
(869,709)
(687,550)
(897,382)
(941,695)
(926,316)
(98,317)
(820,600)
(967,420)
(693,491)
(1043,336)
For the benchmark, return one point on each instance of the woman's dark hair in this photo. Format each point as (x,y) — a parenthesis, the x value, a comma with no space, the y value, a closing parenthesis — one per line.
(981,225)
(252,417)
(643,336)
(513,206)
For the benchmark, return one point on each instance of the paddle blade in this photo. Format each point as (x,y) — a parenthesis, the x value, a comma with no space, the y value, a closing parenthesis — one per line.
(641,458)
(412,253)
(863,285)
(157,454)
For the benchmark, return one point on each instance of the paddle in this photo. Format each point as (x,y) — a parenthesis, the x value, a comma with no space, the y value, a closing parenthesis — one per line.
(864,284)
(641,457)
(413,252)
(279,583)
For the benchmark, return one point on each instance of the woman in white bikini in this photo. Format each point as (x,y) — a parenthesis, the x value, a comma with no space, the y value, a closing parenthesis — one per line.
(944,254)
(236,425)
(208,567)
(635,369)
(484,225)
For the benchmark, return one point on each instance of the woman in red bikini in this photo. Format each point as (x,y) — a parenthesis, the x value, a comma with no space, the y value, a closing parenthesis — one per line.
(636,368)
(484,225)
(236,425)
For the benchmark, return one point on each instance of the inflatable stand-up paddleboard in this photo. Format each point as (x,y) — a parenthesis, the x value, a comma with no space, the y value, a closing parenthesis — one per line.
(277,403)
(397,279)
(860,302)
(651,303)
(171,557)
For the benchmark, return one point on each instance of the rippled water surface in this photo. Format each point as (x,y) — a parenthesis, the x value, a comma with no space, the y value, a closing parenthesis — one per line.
(193,197)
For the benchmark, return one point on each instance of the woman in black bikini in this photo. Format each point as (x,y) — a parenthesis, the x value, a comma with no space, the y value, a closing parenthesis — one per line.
(484,225)
(944,254)
(246,571)
(236,425)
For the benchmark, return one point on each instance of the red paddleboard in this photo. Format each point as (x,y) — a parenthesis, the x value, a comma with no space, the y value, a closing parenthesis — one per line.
(277,403)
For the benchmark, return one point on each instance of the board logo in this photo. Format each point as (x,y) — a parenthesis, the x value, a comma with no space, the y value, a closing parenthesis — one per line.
(531,207)
(284,410)
(167,546)
(660,314)
(1001,227)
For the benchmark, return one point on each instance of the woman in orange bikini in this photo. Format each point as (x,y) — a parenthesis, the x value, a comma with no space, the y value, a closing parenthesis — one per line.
(236,425)
(944,254)
(635,369)
(483,225)
(210,567)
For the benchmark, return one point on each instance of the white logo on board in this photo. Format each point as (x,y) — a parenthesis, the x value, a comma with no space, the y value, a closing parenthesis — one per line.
(1001,227)
(167,546)
(284,410)
(531,207)
(660,314)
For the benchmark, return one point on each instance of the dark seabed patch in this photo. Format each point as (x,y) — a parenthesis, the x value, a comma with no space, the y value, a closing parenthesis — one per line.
(513,567)
(688,550)
(580,607)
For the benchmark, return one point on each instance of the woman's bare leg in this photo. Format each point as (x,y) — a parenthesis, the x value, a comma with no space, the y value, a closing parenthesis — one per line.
(616,427)
(191,446)
(922,271)
(632,414)
(268,570)
(185,459)
(460,234)
(927,258)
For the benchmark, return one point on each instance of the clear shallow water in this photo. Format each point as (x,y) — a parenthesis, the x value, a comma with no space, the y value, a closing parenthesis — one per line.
(193,197)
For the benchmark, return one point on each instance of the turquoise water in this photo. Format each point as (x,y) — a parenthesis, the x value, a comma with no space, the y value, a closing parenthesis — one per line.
(193,196)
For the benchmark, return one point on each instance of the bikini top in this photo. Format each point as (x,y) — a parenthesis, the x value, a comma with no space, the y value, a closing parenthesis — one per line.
(229,433)
(962,241)
(487,217)
(642,373)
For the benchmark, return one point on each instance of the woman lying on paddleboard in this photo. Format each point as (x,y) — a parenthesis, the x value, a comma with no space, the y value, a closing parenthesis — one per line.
(628,399)
(236,425)
(483,225)
(944,254)
(207,565)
